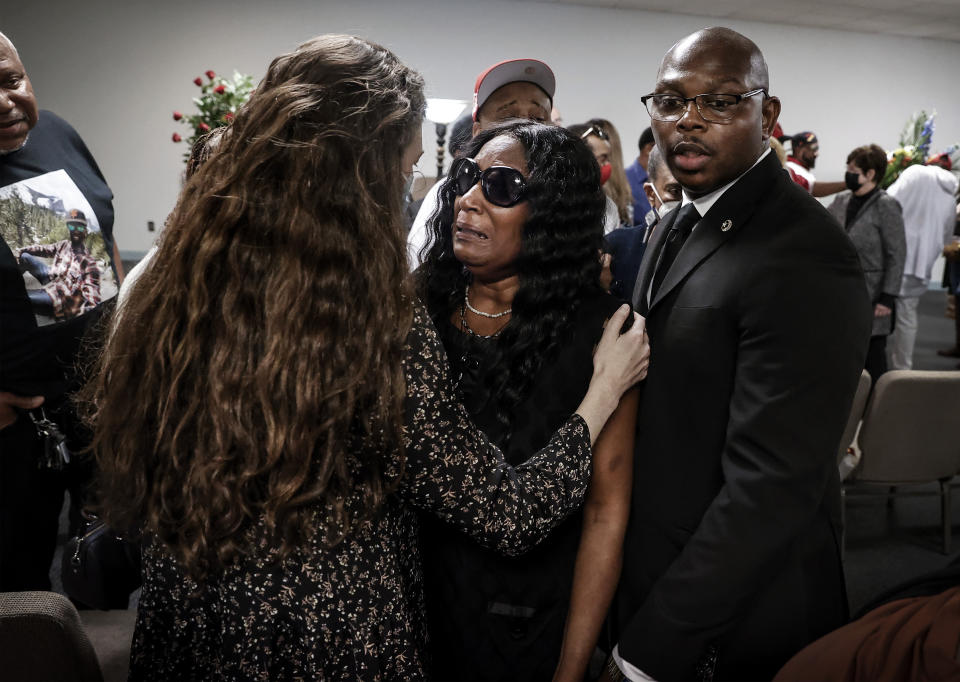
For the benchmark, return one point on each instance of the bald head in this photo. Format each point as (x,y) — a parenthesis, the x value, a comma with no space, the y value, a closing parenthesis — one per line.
(707,146)
(707,43)
(18,106)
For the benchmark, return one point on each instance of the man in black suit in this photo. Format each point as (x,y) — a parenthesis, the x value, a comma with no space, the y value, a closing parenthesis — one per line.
(755,305)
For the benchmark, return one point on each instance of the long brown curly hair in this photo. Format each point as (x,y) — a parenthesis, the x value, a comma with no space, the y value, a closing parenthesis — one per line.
(256,374)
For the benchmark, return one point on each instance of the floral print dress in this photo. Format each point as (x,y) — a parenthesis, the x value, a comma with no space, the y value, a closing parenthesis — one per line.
(354,611)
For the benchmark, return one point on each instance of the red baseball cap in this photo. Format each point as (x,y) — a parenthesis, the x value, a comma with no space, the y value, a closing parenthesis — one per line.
(511,71)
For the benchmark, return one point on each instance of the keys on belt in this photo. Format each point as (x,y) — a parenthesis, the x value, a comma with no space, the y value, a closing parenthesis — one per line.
(55,452)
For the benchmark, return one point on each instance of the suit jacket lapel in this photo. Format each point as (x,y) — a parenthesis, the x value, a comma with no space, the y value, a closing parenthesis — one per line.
(727,216)
(650,258)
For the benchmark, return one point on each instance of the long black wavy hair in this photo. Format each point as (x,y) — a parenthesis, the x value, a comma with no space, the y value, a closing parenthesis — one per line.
(558,264)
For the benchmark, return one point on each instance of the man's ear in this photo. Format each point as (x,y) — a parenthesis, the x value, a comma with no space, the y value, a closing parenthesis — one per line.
(475,129)
(771,112)
(651,195)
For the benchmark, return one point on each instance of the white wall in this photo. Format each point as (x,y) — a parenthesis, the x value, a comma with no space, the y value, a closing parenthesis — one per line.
(117,70)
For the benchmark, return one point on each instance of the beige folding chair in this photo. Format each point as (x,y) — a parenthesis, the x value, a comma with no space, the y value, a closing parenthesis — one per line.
(853,421)
(41,638)
(911,435)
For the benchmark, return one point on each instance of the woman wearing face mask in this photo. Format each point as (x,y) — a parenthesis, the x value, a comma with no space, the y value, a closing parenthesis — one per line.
(874,222)
(511,283)
(617,187)
(599,143)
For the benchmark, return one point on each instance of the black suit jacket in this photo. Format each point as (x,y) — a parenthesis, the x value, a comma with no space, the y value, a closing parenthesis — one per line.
(758,333)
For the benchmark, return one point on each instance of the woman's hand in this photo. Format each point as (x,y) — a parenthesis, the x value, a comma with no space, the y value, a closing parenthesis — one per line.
(881,310)
(10,403)
(619,362)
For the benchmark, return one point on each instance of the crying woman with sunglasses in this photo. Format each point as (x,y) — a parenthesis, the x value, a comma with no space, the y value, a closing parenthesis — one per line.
(512,284)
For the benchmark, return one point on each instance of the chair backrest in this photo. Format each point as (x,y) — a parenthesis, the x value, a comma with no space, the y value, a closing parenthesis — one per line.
(41,638)
(910,429)
(856,414)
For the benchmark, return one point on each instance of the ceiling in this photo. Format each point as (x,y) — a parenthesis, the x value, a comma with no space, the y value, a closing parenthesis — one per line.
(939,19)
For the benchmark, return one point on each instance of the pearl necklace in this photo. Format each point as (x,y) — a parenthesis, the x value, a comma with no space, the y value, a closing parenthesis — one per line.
(489,316)
(466,327)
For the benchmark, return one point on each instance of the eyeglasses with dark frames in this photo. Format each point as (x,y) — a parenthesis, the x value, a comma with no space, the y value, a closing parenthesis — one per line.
(713,107)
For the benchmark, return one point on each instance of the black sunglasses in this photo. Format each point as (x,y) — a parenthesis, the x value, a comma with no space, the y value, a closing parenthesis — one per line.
(501,185)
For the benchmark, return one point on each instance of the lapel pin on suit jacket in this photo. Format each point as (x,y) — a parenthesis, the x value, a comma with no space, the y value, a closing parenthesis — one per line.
(726,225)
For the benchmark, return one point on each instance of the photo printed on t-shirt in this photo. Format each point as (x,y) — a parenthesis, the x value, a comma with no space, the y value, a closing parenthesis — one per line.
(56,240)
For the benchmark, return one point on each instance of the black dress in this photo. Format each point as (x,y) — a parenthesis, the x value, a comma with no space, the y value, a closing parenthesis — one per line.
(492,617)
(355,611)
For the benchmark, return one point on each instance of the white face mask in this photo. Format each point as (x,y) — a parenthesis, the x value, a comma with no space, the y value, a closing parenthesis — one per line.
(665,206)
(408,185)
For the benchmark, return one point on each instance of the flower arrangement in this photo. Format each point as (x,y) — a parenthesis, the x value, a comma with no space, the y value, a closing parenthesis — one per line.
(219,100)
(914,146)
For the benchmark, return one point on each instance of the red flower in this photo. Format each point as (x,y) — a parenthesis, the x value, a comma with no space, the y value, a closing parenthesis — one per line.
(210,74)
(220,89)
(177,116)
(176,137)
(198,81)
(203,127)
(228,117)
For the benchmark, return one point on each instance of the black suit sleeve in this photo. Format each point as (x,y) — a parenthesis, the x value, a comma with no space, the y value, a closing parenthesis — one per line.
(803,326)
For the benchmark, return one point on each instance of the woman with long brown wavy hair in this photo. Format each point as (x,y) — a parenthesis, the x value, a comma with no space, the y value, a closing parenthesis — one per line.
(275,400)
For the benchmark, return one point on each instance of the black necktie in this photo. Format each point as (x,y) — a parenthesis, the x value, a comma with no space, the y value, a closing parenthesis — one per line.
(682,227)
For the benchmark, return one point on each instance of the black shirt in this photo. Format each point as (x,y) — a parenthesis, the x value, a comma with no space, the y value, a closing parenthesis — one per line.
(855,204)
(53,173)
(491,617)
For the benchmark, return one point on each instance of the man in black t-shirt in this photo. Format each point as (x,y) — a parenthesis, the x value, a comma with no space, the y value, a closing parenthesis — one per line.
(58,265)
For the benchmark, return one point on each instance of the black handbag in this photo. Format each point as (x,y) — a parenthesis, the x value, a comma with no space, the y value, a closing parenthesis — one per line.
(99,569)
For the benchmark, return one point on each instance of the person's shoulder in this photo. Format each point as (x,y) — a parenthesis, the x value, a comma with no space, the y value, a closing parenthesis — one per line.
(802,227)
(624,238)
(888,203)
(52,135)
(50,123)
(794,204)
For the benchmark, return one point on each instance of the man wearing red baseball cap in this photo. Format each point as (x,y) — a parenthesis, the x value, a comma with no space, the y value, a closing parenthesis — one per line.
(504,91)
(513,88)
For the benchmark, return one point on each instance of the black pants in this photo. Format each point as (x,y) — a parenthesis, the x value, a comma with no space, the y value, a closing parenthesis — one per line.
(876,357)
(30,503)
